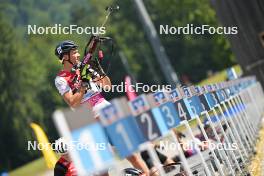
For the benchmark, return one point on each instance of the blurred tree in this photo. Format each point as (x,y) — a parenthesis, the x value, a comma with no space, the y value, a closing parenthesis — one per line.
(18,102)
(202,52)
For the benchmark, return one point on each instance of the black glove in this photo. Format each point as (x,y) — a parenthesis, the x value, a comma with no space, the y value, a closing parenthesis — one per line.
(95,65)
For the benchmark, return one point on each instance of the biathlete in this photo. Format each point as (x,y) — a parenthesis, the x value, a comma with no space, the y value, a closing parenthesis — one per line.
(82,88)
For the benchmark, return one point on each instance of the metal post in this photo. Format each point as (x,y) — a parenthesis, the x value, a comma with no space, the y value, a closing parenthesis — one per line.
(126,65)
(157,47)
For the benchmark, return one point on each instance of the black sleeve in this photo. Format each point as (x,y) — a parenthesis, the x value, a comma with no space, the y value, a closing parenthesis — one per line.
(60,170)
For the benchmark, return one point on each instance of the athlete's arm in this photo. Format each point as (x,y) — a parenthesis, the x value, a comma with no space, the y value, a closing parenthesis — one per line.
(71,99)
(103,82)
(74,100)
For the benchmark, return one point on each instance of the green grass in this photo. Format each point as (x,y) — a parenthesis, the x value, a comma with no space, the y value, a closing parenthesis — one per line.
(32,168)
(219,77)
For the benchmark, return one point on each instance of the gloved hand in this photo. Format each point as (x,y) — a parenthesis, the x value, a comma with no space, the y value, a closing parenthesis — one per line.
(97,67)
(88,73)
(85,74)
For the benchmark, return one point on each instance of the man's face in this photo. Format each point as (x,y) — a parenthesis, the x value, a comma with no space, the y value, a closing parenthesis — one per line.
(74,56)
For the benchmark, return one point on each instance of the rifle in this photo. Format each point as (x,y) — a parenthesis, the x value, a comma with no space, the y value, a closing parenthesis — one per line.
(91,47)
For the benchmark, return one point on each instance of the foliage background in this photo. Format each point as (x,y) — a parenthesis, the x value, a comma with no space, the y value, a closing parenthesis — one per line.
(28,65)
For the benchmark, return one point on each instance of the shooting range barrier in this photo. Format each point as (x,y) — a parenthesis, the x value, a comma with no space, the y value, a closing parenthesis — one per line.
(204,130)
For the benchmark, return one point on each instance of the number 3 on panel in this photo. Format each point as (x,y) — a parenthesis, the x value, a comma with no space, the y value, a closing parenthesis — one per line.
(170,121)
